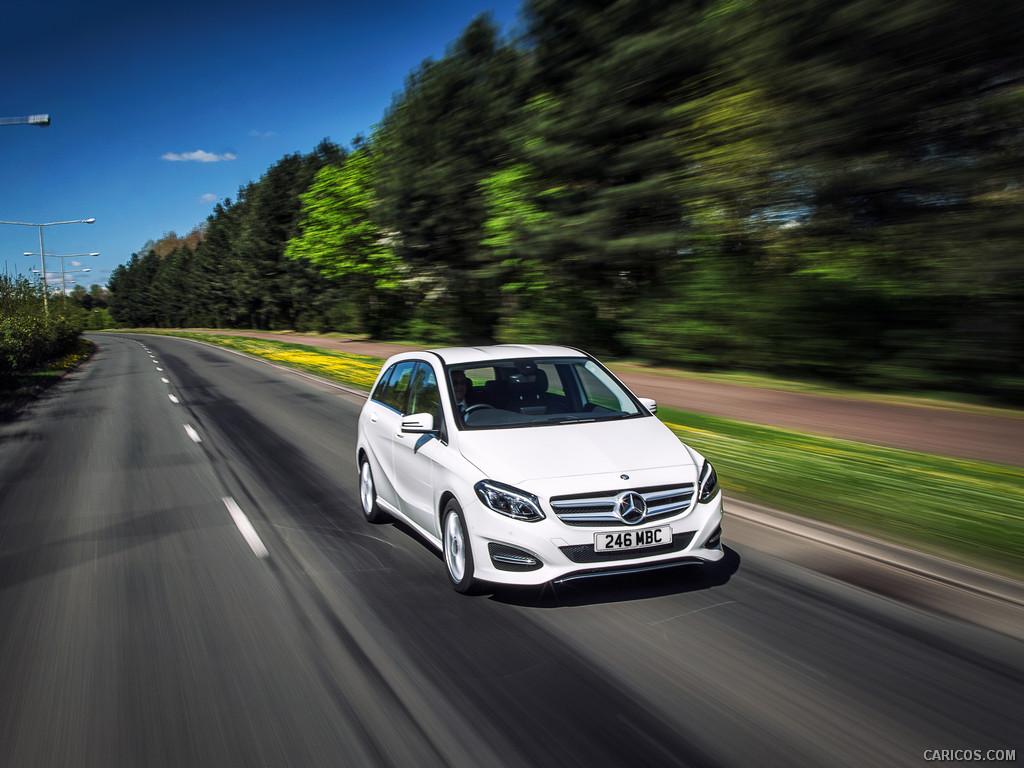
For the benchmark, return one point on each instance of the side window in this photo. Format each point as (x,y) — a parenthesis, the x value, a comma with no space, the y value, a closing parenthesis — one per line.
(425,397)
(598,392)
(554,379)
(380,391)
(393,389)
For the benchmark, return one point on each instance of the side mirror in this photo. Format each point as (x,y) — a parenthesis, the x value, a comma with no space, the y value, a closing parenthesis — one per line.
(649,404)
(418,424)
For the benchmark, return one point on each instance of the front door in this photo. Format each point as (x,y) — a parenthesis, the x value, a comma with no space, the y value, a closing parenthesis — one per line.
(383,420)
(415,455)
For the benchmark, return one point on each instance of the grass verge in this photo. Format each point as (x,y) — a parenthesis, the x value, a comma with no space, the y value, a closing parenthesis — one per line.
(19,390)
(967,510)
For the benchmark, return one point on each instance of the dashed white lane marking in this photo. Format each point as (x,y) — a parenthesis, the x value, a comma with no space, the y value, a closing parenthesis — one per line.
(245,527)
(160,369)
(191,432)
(165,381)
(173,398)
(157,362)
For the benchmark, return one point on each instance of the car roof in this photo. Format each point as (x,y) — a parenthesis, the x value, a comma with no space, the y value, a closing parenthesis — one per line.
(462,355)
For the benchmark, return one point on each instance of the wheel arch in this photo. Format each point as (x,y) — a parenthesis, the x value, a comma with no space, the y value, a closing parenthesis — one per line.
(442,503)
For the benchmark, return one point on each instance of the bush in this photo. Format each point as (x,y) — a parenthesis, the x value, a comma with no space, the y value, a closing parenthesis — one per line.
(30,333)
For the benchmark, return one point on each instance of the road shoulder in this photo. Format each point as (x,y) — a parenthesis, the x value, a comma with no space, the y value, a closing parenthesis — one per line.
(902,574)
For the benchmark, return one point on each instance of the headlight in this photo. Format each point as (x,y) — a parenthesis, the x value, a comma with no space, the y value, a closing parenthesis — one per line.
(708,483)
(509,501)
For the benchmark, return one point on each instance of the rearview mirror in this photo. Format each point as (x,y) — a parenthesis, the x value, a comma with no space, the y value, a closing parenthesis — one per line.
(649,404)
(418,424)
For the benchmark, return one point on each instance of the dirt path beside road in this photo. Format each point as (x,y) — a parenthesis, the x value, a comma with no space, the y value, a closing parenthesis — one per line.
(918,428)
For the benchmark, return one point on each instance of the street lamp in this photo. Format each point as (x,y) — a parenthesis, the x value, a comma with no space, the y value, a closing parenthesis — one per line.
(46,306)
(41,120)
(64,277)
(64,285)
(62,257)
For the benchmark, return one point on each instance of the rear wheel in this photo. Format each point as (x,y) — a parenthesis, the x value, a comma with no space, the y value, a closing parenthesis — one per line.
(458,555)
(368,494)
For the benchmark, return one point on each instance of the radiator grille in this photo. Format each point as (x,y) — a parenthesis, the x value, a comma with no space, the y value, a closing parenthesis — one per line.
(598,509)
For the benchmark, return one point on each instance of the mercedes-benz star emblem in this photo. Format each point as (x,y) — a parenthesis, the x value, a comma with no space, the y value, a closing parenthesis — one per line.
(631,507)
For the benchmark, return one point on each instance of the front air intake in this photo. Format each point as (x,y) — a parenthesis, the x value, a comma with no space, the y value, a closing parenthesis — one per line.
(506,558)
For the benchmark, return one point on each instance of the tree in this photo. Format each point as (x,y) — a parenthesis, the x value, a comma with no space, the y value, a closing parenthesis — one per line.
(606,78)
(339,236)
(867,157)
(445,133)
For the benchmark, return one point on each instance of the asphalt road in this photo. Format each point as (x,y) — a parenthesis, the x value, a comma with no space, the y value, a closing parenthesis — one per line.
(221,603)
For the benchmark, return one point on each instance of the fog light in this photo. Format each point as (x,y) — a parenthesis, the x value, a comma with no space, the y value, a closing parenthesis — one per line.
(714,540)
(506,558)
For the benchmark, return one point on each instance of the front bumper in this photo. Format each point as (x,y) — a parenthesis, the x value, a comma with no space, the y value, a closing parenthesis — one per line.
(508,551)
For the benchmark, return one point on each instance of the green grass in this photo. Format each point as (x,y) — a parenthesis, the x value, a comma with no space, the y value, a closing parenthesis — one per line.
(967,510)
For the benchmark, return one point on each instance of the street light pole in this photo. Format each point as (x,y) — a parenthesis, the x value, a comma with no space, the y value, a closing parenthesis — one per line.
(61,257)
(46,305)
(46,290)
(41,120)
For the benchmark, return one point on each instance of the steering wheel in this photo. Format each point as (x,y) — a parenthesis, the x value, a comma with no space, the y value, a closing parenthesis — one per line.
(476,407)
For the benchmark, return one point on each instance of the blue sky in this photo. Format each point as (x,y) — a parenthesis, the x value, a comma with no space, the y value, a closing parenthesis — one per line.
(159,111)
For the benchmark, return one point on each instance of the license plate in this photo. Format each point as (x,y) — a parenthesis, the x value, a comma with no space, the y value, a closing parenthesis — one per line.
(638,539)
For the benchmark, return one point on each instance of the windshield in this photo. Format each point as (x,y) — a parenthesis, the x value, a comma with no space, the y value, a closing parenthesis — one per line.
(526,392)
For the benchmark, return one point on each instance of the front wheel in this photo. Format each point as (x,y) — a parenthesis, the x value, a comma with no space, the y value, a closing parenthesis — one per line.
(458,555)
(368,494)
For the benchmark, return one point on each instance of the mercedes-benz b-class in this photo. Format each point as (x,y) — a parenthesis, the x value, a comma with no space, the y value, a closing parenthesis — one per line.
(529,464)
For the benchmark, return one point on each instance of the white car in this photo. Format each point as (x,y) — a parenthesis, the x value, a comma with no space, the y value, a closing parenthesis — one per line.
(530,464)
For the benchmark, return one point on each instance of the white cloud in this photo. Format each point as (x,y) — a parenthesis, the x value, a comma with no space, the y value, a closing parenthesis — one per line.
(199,156)
(209,197)
(263,134)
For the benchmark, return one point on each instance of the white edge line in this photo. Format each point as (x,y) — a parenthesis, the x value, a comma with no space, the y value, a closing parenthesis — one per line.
(245,527)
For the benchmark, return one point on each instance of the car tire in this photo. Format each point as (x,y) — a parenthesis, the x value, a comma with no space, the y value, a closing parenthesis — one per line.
(368,494)
(458,554)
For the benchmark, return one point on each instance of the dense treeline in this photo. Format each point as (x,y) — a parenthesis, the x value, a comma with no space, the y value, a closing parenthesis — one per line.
(32,331)
(810,188)
(94,303)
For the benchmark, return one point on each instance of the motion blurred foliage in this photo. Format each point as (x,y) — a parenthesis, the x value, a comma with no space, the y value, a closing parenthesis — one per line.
(811,188)
(31,336)
(339,236)
(450,129)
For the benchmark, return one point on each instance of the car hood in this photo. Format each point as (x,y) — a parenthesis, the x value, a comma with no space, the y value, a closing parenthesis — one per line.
(521,455)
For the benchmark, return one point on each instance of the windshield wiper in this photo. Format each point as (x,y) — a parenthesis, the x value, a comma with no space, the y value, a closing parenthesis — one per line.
(582,419)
